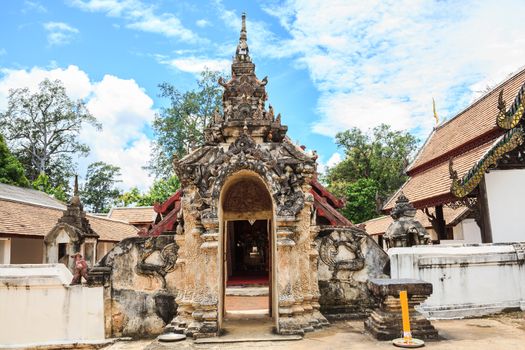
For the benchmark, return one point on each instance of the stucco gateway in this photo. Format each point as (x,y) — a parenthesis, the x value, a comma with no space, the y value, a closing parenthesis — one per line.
(249,177)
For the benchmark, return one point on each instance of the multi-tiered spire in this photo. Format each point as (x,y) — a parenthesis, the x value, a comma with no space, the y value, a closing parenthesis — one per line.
(244,102)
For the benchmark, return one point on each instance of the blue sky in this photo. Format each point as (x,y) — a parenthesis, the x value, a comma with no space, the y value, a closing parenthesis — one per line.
(331,65)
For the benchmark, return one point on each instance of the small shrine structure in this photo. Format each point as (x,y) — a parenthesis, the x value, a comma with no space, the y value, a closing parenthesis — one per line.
(405,231)
(72,234)
(247,171)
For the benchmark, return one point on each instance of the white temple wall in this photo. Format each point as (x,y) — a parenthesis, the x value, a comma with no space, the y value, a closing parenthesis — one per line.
(38,306)
(505,193)
(467,280)
(467,231)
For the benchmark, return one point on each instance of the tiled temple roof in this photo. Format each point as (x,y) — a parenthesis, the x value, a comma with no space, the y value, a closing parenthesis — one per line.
(133,215)
(466,138)
(35,217)
(379,225)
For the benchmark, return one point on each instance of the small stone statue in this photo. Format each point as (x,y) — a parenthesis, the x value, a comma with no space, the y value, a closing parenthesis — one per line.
(260,109)
(80,269)
(405,231)
(227,109)
(217,118)
(270,113)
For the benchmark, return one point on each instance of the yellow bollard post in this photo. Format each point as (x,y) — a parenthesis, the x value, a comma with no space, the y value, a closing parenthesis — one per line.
(407,341)
(403,299)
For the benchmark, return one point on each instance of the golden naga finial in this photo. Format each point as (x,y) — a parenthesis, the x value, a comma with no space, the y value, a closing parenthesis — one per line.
(434,110)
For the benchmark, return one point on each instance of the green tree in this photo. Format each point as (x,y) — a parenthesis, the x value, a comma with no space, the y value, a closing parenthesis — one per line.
(380,155)
(42,128)
(162,190)
(11,171)
(159,192)
(179,128)
(99,191)
(133,197)
(42,183)
(361,200)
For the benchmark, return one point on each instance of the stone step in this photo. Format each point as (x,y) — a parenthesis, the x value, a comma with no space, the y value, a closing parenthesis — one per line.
(247,291)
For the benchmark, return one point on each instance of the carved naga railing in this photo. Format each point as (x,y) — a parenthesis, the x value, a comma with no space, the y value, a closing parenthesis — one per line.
(509,119)
(462,187)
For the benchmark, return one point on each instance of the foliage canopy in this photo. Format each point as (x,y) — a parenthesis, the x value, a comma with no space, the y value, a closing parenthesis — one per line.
(179,128)
(99,191)
(11,171)
(372,170)
(42,128)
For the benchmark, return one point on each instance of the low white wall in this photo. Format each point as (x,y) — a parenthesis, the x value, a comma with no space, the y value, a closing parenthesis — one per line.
(467,280)
(37,306)
(505,193)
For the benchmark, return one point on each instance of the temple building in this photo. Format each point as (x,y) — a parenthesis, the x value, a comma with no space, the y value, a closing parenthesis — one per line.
(250,212)
(475,160)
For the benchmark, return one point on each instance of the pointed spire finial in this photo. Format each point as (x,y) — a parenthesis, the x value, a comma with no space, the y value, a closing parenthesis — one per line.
(75,200)
(75,190)
(243,27)
(242,53)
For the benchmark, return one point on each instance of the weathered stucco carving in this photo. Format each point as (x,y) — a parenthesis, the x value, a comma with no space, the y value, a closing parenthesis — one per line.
(405,231)
(139,293)
(348,259)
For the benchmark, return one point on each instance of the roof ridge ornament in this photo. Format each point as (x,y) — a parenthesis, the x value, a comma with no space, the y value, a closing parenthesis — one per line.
(436,117)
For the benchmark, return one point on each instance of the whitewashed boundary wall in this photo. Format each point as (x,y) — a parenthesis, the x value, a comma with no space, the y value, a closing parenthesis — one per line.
(37,306)
(467,280)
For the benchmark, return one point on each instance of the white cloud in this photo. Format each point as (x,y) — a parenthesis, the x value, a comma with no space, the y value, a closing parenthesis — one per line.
(33,6)
(383,61)
(192,64)
(202,23)
(75,80)
(262,41)
(139,16)
(121,105)
(59,33)
(334,160)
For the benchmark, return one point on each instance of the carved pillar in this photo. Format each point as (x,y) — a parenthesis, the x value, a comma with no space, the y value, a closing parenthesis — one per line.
(285,244)
(318,320)
(206,303)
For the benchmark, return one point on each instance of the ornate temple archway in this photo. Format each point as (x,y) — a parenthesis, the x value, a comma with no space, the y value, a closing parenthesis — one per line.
(247,237)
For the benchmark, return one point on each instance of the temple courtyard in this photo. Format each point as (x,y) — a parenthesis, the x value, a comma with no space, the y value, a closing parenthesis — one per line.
(503,331)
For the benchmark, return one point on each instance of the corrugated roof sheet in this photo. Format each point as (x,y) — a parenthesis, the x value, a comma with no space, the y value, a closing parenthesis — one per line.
(29,195)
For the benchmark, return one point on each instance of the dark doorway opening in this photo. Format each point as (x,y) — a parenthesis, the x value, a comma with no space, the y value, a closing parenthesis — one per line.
(248,256)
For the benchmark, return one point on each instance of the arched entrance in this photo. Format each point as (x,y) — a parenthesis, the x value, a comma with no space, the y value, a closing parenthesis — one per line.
(247,249)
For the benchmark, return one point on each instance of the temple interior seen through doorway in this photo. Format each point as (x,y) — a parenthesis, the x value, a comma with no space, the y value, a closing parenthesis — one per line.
(248,269)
